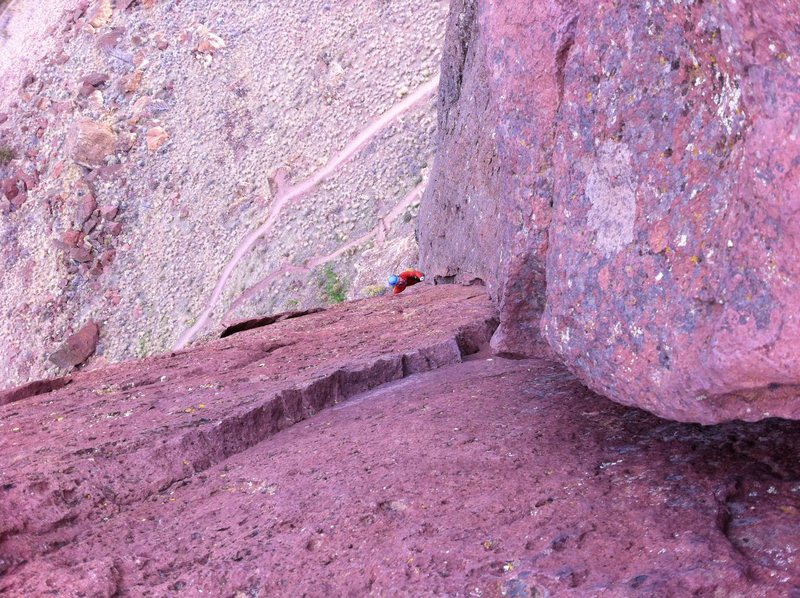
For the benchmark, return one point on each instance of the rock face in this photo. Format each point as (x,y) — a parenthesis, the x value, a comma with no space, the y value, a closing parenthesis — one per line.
(486,210)
(219,471)
(113,437)
(663,136)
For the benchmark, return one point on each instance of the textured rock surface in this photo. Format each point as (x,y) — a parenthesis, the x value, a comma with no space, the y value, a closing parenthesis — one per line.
(78,347)
(119,436)
(485,478)
(486,209)
(664,138)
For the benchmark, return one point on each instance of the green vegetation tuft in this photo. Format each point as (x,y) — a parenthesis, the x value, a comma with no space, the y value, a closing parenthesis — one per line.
(335,288)
(143,346)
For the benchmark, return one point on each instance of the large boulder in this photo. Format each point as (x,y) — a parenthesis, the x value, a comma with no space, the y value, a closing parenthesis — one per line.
(665,139)
(78,347)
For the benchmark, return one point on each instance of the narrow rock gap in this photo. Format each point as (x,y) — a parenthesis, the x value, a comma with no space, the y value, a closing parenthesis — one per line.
(33,389)
(568,40)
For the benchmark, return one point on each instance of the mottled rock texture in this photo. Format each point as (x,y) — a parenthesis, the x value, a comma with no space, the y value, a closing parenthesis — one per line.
(624,178)
(78,451)
(486,477)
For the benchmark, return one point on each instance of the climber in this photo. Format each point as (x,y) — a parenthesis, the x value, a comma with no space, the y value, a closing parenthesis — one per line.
(405,279)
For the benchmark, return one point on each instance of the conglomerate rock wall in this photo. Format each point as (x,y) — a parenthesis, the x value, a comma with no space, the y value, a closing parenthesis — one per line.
(628,193)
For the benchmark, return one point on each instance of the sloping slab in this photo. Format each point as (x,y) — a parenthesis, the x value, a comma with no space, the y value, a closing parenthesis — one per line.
(117,436)
(487,478)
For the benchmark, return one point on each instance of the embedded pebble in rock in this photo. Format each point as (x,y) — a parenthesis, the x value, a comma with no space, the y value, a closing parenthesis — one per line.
(78,347)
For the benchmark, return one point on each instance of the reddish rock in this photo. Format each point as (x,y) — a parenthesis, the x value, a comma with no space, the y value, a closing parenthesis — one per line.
(80,254)
(9,187)
(60,59)
(73,237)
(58,169)
(78,347)
(91,82)
(662,136)
(693,163)
(108,41)
(96,269)
(139,109)
(115,229)
(32,389)
(100,14)
(90,143)
(84,209)
(29,180)
(28,80)
(3,117)
(318,447)
(126,142)
(130,83)
(207,41)
(19,200)
(89,225)
(109,212)
(156,137)
(107,257)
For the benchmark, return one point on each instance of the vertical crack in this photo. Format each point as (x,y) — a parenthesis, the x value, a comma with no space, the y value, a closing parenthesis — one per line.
(567,41)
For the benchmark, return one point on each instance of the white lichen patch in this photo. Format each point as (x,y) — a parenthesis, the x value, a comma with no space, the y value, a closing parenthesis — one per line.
(728,102)
(610,190)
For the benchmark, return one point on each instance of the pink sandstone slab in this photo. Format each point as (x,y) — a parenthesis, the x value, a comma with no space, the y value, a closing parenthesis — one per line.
(116,435)
(486,478)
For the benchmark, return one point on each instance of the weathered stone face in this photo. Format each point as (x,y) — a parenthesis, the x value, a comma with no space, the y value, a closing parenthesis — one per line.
(665,140)
(672,282)
(487,208)
(320,454)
